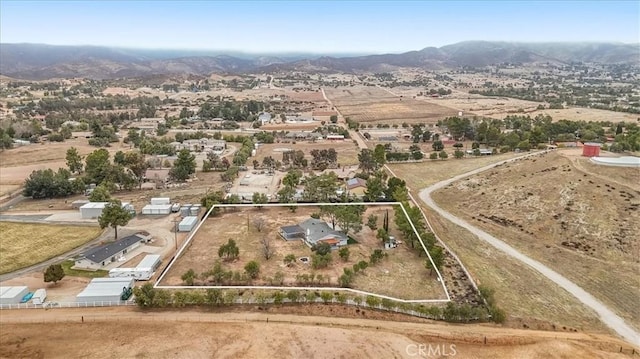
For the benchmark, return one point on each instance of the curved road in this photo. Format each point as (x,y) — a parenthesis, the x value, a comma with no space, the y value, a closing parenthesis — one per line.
(607,316)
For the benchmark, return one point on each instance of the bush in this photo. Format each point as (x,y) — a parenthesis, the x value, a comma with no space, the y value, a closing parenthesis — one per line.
(433,156)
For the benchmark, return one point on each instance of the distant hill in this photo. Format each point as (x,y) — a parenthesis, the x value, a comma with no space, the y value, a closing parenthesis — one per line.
(37,62)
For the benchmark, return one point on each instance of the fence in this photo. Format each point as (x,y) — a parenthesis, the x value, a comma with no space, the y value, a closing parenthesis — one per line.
(67,305)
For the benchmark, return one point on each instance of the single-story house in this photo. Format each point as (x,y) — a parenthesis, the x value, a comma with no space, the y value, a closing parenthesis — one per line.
(356,186)
(264,118)
(313,232)
(101,256)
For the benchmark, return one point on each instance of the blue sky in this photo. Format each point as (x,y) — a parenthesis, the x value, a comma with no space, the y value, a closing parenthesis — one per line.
(320,26)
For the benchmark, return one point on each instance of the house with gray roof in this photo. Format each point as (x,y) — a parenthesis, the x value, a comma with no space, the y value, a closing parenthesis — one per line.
(99,257)
(313,232)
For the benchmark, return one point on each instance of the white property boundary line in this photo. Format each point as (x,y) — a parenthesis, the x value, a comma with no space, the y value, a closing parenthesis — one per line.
(195,231)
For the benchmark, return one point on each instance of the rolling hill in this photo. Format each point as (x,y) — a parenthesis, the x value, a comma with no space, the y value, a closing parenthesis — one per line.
(37,61)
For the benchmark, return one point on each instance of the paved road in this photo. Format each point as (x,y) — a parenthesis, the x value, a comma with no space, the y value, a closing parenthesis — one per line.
(607,316)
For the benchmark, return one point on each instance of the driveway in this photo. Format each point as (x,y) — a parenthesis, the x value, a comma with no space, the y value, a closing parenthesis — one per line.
(607,316)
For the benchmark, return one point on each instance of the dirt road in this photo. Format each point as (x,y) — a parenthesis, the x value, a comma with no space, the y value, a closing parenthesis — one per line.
(607,316)
(107,332)
(341,121)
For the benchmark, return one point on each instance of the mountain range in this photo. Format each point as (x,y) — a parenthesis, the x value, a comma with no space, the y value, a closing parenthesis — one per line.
(39,62)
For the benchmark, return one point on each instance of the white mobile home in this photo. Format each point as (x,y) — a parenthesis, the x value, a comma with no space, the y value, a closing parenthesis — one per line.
(39,296)
(131,273)
(150,261)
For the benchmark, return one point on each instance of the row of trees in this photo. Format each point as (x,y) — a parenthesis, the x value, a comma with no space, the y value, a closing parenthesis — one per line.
(149,297)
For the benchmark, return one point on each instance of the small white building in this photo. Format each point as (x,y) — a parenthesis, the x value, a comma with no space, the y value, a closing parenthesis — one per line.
(143,271)
(157,209)
(187,224)
(102,290)
(12,294)
(160,200)
(93,210)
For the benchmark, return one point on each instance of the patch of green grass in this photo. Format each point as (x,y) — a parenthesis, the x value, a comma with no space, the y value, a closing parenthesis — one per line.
(66,265)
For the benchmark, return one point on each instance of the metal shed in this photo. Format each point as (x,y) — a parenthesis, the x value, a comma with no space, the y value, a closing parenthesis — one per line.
(104,290)
(92,210)
(187,224)
(39,296)
(157,209)
(160,200)
(12,295)
(149,261)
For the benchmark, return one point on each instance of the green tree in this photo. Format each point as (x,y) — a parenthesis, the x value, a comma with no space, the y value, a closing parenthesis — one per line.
(349,218)
(74,161)
(229,251)
(135,162)
(372,222)
(437,255)
(344,253)
(54,273)
(97,166)
(379,155)
(252,269)
(367,161)
(259,198)
(437,145)
(375,188)
(333,119)
(458,154)
(114,215)
(443,155)
(188,277)
(100,194)
(184,166)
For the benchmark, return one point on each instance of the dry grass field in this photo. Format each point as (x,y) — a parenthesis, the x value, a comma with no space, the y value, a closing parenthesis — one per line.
(579,224)
(373,104)
(529,299)
(319,331)
(347,150)
(23,244)
(16,164)
(402,274)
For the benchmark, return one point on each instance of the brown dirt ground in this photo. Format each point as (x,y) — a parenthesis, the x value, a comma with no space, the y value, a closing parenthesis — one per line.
(347,150)
(372,104)
(574,222)
(128,332)
(402,274)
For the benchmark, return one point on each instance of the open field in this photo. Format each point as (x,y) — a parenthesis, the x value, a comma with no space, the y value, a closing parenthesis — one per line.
(402,274)
(372,104)
(22,244)
(576,223)
(528,298)
(204,334)
(422,174)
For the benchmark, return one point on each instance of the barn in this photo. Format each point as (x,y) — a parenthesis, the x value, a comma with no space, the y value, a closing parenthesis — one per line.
(102,290)
(591,149)
(12,295)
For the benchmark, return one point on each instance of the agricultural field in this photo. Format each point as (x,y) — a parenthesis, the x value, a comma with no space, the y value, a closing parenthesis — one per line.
(25,244)
(401,274)
(575,222)
(373,104)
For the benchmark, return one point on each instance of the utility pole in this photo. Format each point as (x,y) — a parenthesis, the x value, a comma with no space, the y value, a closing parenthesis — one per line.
(175,232)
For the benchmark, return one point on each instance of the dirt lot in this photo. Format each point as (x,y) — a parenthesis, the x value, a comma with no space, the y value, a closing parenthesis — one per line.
(347,150)
(63,291)
(570,220)
(23,244)
(372,104)
(106,332)
(402,274)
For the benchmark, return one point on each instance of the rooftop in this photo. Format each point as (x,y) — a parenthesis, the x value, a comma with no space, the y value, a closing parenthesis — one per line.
(99,254)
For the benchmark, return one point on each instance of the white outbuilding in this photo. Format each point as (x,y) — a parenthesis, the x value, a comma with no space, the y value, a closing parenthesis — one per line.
(156,209)
(12,295)
(187,224)
(39,296)
(93,210)
(160,200)
(102,290)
